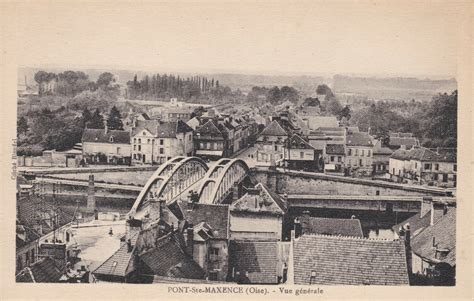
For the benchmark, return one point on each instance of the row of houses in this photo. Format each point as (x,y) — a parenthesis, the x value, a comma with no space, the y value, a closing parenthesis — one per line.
(152,141)
(286,141)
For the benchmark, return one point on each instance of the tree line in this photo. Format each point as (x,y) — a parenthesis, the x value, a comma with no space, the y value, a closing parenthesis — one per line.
(167,86)
(71,83)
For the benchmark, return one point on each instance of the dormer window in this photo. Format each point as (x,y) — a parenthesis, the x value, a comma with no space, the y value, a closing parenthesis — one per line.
(111,139)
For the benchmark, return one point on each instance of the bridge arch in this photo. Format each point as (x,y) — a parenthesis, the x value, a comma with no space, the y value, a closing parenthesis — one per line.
(170,180)
(220,178)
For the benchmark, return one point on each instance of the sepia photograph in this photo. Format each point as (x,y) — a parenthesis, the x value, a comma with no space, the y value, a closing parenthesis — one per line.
(237,148)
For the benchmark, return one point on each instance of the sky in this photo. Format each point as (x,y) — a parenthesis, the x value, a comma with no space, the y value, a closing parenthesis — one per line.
(376,38)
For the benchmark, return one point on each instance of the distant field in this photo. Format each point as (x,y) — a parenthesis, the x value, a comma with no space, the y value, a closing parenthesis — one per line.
(137,178)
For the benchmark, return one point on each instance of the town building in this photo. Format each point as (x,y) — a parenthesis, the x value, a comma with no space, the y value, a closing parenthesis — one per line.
(381,158)
(335,156)
(155,141)
(257,215)
(404,141)
(212,140)
(104,146)
(425,166)
(299,154)
(343,260)
(359,148)
(46,270)
(42,230)
(178,113)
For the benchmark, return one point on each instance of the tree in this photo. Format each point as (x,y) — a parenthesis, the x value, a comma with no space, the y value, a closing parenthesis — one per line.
(97,121)
(22,125)
(86,117)
(440,121)
(114,122)
(105,80)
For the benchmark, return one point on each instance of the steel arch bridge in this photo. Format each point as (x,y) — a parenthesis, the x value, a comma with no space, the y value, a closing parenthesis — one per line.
(220,179)
(170,180)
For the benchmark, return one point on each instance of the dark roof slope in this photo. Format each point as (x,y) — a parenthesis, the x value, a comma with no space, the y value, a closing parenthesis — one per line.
(169,259)
(274,129)
(331,226)
(444,234)
(100,136)
(336,260)
(44,270)
(426,155)
(258,258)
(399,141)
(335,149)
(216,216)
(118,264)
(359,139)
(296,142)
(32,210)
(417,223)
(209,129)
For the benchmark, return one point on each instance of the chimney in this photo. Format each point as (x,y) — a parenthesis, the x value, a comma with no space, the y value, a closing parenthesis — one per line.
(298,228)
(91,206)
(132,226)
(129,245)
(106,129)
(437,211)
(405,234)
(190,240)
(425,206)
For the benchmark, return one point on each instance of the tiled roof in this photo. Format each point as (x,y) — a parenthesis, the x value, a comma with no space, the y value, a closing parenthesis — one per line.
(100,136)
(331,226)
(296,142)
(336,260)
(427,155)
(216,216)
(42,271)
(407,141)
(263,201)
(444,234)
(335,149)
(258,258)
(417,223)
(169,259)
(382,151)
(274,129)
(32,210)
(209,129)
(25,235)
(162,129)
(118,264)
(315,122)
(359,139)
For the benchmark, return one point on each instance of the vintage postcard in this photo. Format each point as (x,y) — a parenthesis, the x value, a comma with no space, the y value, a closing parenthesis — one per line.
(206,149)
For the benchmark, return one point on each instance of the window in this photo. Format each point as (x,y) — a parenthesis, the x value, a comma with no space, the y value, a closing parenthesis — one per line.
(350,151)
(190,137)
(435,177)
(135,156)
(134,140)
(455,167)
(368,153)
(139,148)
(436,166)
(111,139)
(427,166)
(161,141)
(134,147)
(360,162)
(339,159)
(148,141)
(118,150)
(301,155)
(67,236)
(416,165)
(139,140)
(362,153)
(214,251)
(276,147)
(332,158)
(356,151)
(162,151)
(445,178)
(213,276)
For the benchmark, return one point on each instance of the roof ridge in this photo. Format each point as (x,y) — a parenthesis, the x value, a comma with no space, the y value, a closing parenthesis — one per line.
(345,237)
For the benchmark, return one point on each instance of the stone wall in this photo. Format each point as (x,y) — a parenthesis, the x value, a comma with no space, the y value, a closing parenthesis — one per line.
(306,183)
